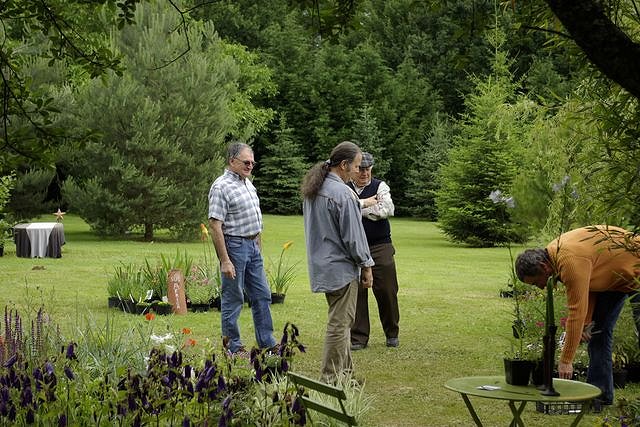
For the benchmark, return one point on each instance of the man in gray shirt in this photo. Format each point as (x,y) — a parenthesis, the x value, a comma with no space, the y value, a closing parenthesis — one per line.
(337,251)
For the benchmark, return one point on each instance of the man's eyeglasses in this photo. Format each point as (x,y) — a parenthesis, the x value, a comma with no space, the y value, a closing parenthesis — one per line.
(247,162)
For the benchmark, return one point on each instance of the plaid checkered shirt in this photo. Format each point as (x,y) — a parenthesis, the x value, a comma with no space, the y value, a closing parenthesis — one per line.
(234,201)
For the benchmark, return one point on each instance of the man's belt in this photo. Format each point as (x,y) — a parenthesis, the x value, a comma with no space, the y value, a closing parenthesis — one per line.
(252,237)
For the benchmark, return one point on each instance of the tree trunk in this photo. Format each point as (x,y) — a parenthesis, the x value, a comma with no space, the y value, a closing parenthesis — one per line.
(606,46)
(148,232)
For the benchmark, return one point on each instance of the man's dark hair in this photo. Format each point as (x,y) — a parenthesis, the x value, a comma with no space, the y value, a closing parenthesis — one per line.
(529,263)
(312,181)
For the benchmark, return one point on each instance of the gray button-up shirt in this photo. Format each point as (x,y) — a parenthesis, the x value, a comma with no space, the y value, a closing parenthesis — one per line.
(336,244)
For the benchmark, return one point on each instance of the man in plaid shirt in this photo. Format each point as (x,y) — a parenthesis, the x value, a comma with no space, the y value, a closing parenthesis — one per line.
(235,221)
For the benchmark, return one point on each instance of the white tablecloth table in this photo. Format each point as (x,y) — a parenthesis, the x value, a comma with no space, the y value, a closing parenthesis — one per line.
(39,239)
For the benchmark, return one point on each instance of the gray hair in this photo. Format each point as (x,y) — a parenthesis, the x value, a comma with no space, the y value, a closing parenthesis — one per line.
(529,263)
(234,149)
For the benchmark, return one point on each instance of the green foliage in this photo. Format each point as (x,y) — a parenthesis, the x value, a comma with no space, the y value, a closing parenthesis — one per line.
(369,139)
(282,274)
(129,282)
(280,174)
(56,31)
(484,159)
(116,376)
(6,185)
(167,122)
(423,178)
(550,186)
(610,154)
(202,285)
(29,197)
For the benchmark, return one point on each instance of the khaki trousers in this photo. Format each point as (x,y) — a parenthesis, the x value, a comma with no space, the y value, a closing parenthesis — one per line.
(336,357)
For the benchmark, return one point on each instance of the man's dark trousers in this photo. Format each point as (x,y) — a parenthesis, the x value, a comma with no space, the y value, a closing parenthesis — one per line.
(385,290)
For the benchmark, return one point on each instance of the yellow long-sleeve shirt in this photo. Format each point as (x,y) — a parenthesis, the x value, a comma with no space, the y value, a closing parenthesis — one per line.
(587,261)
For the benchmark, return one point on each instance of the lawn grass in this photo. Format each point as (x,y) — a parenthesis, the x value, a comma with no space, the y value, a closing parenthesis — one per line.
(452,324)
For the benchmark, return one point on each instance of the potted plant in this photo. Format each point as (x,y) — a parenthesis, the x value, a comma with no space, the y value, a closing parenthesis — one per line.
(200,289)
(619,360)
(281,275)
(119,286)
(162,307)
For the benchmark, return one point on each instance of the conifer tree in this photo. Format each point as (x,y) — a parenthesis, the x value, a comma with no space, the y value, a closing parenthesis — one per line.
(483,160)
(163,127)
(280,173)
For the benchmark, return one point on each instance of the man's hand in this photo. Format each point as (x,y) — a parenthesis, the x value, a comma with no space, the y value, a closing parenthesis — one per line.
(366,277)
(565,370)
(369,201)
(587,332)
(227,268)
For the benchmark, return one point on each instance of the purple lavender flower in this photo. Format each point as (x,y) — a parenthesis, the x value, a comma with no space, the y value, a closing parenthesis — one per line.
(30,417)
(68,373)
(297,408)
(71,354)
(26,397)
(12,360)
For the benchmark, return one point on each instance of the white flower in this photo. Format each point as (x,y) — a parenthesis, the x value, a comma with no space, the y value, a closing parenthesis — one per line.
(160,339)
(496,196)
(510,202)
(560,185)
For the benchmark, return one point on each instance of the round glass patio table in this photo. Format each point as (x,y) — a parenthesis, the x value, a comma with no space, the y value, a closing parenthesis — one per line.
(495,387)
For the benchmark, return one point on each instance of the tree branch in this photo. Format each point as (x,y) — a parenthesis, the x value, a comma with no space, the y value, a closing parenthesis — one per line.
(605,44)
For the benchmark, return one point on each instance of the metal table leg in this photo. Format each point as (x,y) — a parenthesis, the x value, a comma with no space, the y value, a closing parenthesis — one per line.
(471,410)
(517,421)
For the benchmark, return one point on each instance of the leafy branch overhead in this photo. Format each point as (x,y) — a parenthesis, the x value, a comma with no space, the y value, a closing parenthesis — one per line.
(74,33)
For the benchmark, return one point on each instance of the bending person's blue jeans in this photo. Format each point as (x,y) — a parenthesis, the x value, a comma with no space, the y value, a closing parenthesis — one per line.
(250,277)
(605,315)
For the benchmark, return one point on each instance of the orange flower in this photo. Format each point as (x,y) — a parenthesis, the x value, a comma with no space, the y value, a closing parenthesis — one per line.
(186,331)
(287,245)
(149,316)
(190,342)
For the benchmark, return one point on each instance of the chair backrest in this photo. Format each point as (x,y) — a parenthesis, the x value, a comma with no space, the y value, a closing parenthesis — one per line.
(329,390)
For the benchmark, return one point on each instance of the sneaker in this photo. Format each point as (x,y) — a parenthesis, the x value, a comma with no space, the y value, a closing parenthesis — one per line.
(393,342)
(241,353)
(358,346)
(273,351)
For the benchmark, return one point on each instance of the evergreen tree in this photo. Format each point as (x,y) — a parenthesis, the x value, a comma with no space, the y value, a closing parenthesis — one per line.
(423,178)
(162,127)
(280,173)
(368,137)
(482,161)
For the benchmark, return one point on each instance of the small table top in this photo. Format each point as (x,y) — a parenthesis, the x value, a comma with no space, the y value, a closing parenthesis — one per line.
(37,225)
(570,391)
